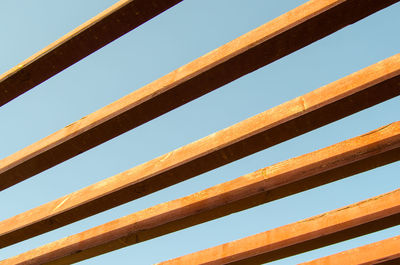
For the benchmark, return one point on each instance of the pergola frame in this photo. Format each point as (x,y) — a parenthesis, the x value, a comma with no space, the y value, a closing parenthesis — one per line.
(259,47)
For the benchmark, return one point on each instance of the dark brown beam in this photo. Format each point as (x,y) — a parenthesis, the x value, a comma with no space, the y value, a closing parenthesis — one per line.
(319,107)
(283,35)
(94,34)
(264,185)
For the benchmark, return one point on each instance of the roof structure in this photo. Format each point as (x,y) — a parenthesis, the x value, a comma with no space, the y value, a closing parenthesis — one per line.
(256,49)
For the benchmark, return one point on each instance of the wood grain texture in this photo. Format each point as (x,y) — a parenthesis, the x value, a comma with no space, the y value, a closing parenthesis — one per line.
(264,185)
(357,219)
(384,251)
(271,41)
(300,115)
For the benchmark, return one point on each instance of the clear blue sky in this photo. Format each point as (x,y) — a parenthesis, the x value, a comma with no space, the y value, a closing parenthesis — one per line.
(167,42)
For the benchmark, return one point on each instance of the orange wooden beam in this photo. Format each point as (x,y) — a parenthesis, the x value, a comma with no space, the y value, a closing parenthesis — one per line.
(331,227)
(264,185)
(384,251)
(312,21)
(285,121)
(92,35)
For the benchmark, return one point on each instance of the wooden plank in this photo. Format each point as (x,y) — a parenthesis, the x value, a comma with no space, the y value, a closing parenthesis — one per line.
(264,185)
(344,223)
(275,39)
(380,252)
(92,35)
(273,126)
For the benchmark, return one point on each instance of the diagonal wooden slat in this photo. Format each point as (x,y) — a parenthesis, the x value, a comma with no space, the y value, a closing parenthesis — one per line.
(382,252)
(283,35)
(319,107)
(348,222)
(92,35)
(276,181)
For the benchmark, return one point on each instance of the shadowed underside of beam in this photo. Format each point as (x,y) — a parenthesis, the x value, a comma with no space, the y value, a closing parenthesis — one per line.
(94,34)
(273,182)
(357,219)
(384,251)
(319,107)
(283,35)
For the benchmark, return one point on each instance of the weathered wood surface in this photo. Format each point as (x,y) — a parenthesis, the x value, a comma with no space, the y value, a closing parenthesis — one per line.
(324,105)
(283,35)
(270,183)
(354,220)
(383,252)
(92,35)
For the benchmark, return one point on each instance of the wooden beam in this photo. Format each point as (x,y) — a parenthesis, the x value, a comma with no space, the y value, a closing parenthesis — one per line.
(300,115)
(380,252)
(92,35)
(312,21)
(266,184)
(331,227)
